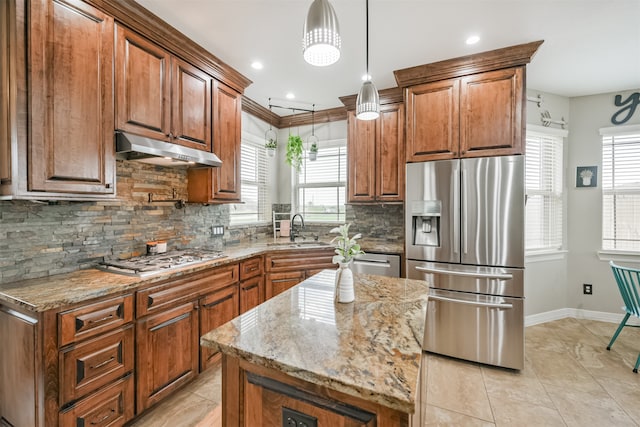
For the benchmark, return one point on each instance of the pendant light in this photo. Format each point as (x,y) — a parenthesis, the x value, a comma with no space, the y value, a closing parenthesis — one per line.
(321,35)
(368,100)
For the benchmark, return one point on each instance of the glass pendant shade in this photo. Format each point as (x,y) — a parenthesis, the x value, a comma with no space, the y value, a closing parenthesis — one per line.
(321,40)
(368,102)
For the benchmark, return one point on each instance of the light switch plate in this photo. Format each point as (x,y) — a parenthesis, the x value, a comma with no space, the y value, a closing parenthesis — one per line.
(217,230)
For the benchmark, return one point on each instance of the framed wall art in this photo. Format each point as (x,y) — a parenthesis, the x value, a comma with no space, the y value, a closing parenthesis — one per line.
(586,176)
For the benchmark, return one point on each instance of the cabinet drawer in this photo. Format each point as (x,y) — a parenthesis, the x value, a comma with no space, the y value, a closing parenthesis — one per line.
(250,268)
(277,283)
(110,407)
(93,319)
(86,367)
(300,260)
(189,288)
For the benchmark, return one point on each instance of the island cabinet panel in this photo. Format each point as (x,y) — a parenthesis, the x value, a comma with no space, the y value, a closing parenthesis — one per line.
(167,353)
(216,309)
(491,113)
(160,96)
(70,141)
(472,116)
(112,406)
(433,121)
(221,184)
(376,156)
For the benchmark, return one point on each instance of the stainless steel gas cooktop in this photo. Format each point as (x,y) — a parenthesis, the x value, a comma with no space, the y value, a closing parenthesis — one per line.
(147,265)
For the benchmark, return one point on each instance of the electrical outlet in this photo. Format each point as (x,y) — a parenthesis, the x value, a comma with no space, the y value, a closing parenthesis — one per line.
(587,289)
(217,230)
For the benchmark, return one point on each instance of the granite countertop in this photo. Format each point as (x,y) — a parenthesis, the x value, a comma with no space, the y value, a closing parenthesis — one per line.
(370,348)
(57,291)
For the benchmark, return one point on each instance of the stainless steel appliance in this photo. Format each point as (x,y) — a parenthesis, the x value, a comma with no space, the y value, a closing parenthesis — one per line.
(375,263)
(465,234)
(147,265)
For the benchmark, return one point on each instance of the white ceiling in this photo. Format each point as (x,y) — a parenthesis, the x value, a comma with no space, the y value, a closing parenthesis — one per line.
(591,46)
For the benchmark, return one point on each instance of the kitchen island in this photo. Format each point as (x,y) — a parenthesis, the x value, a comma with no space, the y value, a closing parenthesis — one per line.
(302,357)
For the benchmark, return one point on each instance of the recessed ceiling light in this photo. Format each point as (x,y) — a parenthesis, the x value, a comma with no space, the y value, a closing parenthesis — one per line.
(257,65)
(290,95)
(473,40)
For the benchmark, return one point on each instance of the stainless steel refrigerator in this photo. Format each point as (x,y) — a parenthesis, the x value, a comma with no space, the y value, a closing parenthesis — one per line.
(465,235)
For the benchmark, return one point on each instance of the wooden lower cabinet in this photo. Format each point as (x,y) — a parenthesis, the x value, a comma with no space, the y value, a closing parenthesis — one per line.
(277,283)
(112,406)
(285,269)
(167,355)
(251,293)
(216,309)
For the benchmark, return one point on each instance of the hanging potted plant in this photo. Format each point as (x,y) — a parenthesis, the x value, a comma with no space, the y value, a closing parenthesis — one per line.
(271,142)
(313,151)
(294,152)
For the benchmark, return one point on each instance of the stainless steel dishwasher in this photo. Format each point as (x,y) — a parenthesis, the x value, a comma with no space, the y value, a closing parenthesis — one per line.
(375,263)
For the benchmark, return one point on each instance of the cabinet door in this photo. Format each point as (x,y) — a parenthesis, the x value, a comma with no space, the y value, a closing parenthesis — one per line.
(226,143)
(167,355)
(143,77)
(390,159)
(491,113)
(433,121)
(277,283)
(70,97)
(216,309)
(361,154)
(191,100)
(251,293)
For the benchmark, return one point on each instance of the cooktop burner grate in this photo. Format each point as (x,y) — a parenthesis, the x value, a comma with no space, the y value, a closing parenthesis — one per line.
(146,265)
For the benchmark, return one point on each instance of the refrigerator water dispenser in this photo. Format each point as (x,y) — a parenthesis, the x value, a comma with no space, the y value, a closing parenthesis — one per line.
(426,222)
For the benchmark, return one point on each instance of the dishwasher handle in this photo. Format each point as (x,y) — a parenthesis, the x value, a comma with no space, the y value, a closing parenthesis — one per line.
(500,276)
(498,305)
(372,263)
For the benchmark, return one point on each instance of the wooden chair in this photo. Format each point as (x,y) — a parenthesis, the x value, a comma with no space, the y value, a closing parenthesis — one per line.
(628,280)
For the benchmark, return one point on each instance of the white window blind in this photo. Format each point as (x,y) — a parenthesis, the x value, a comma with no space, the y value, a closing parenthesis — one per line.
(544,189)
(256,206)
(320,185)
(621,192)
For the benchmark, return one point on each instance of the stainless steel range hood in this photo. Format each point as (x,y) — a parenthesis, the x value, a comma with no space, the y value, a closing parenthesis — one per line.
(153,151)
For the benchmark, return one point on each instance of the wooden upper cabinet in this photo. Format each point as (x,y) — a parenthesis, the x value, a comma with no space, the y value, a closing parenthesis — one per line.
(433,121)
(221,184)
(473,116)
(70,143)
(376,156)
(160,96)
(361,153)
(143,77)
(491,113)
(191,92)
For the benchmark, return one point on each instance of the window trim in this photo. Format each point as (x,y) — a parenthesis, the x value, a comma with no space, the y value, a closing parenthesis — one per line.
(548,254)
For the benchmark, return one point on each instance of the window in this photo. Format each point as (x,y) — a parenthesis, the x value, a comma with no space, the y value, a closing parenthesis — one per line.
(320,185)
(544,189)
(256,206)
(621,189)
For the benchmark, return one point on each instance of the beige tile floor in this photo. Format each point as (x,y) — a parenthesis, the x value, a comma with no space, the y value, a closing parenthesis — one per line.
(570,379)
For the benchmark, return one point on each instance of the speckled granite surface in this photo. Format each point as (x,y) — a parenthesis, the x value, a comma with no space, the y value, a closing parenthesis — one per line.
(370,348)
(53,292)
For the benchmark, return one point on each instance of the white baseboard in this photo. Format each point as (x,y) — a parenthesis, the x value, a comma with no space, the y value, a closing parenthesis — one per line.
(576,313)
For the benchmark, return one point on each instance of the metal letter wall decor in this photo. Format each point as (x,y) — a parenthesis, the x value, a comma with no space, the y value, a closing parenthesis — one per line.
(630,104)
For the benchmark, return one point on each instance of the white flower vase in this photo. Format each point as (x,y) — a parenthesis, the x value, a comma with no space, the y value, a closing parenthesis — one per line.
(344,284)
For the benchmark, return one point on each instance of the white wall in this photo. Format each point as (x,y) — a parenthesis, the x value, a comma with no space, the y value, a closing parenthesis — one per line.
(588,115)
(553,284)
(546,277)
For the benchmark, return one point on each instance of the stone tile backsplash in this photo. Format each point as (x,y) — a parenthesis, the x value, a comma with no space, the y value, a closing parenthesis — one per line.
(38,239)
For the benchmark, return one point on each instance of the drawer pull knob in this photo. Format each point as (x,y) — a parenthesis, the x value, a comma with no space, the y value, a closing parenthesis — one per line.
(149,301)
(101,364)
(104,418)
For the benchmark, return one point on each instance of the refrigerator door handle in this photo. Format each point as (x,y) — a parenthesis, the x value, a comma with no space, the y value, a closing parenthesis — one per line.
(500,276)
(503,306)
(464,194)
(456,208)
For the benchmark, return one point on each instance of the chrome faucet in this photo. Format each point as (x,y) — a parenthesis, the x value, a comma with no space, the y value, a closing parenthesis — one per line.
(293,234)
